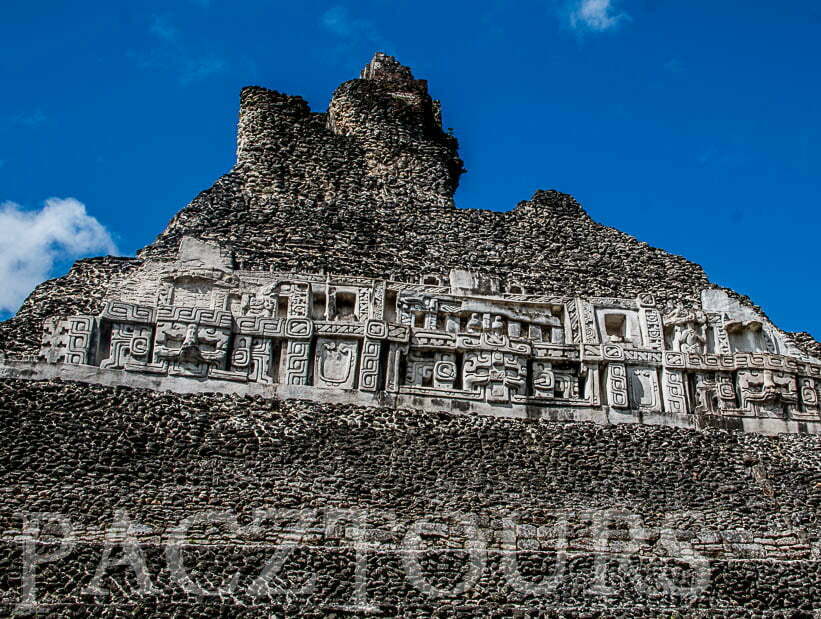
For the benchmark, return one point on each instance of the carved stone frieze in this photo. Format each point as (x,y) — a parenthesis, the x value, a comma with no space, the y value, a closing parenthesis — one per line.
(262,327)
(768,393)
(261,303)
(117,311)
(335,363)
(496,374)
(675,391)
(67,340)
(297,364)
(644,388)
(130,346)
(617,386)
(370,370)
(437,343)
(543,380)
(686,330)
(810,393)
(190,349)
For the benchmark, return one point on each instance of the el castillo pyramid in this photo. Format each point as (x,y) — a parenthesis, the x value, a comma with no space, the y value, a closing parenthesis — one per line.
(325,390)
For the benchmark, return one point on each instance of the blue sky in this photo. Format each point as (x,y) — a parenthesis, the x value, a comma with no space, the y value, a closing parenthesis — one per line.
(691,124)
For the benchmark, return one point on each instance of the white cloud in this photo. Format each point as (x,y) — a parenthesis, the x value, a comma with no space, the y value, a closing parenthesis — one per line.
(595,15)
(32,241)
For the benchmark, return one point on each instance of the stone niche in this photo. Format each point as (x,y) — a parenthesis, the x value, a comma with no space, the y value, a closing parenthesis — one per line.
(466,342)
(619,326)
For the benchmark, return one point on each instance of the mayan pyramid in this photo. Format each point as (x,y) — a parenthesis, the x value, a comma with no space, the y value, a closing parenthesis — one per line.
(325,389)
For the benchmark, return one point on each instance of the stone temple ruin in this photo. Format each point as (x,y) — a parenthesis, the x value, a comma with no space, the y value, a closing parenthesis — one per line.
(197,314)
(465,343)
(323,328)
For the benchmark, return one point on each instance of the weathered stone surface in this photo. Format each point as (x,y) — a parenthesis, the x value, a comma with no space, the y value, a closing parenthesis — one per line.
(748,505)
(333,239)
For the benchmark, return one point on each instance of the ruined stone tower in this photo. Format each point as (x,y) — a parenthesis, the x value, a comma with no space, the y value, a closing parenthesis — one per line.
(323,331)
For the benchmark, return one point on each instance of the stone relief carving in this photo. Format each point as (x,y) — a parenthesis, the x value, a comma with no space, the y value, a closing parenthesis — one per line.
(617,386)
(425,341)
(727,399)
(165,293)
(498,375)
(720,342)
(590,334)
(296,369)
(370,371)
(263,366)
(130,344)
(544,380)
(335,363)
(674,391)
(767,393)
(810,393)
(189,348)
(567,384)
(67,341)
(378,301)
(262,302)
(299,299)
(444,372)
(687,330)
(644,388)
(705,393)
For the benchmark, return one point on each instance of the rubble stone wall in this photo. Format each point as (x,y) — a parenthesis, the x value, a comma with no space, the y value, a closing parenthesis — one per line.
(744,508)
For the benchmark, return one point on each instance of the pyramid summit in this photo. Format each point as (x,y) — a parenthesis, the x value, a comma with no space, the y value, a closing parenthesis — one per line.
(323,330)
